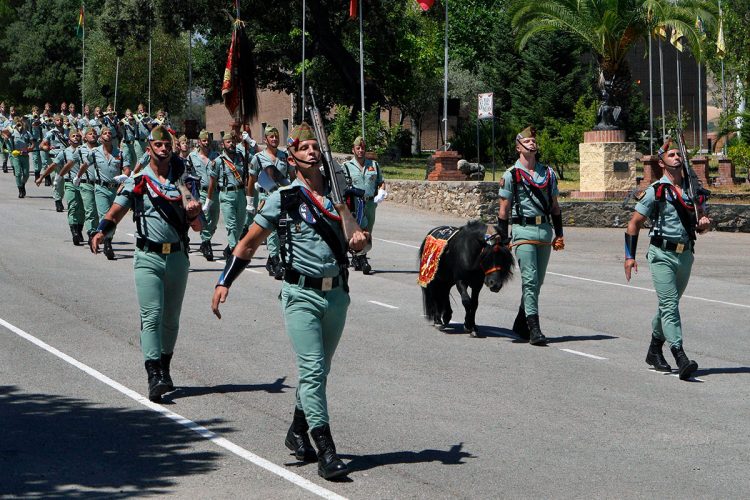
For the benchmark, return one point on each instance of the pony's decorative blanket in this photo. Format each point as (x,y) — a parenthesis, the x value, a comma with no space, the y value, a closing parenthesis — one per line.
(434,245)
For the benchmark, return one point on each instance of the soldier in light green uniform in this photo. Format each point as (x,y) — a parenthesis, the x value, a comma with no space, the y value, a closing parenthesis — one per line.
(274,163)
(228,175)
(528,201)
(164,211)
(83,121)
(315,293)
(364,174)
(34,125)
(87,177)
(198,162)
(112,169)
(3,146)
(129,129)
(144,127)
(69,161)
(55,140)
(21,142)
(675,219)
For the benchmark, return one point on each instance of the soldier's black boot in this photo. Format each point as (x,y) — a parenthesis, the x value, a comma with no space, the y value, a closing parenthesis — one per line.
(59,205)
(36,176)
(228,252)
(330,465)
(156,383)
(356,263)
(685,366)
(47,181)
(77,240)
(108,251)
(297,439)
(207,250)
(654,356)
(536,337)
(271,265)
(520,326)
(21,194)
(79,233)
(366,268)
(165,360)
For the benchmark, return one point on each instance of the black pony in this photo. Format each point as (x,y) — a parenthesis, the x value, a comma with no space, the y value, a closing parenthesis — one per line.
(473,256)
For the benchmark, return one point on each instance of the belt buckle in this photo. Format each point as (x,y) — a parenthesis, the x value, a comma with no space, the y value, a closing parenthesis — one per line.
(326,284)
(166,248)
(538,220)
(680,248)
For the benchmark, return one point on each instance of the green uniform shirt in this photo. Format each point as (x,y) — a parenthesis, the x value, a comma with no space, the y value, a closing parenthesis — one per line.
(143,129)
(68,154)
(309,253)
(263,159)
(129,131)
(91,174)
(201,169)
(541,175)
(57,140)
(366,178)
(107,167)
(671,227)
(220,170)
(151,225)
(81,123)
(20,140)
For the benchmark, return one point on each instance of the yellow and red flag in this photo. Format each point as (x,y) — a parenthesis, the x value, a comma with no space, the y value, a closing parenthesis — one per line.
(81,23)
(230,91)
(721,48)
(425,4)
(238,89)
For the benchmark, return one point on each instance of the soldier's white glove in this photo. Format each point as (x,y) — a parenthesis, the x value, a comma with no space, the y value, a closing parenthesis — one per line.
(249,140)
(250,207)
(76,181)
(121,178)
(382,195)
(207,205)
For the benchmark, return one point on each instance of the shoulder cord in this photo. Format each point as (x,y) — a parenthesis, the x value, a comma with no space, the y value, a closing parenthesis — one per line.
(680,207)
(541,204)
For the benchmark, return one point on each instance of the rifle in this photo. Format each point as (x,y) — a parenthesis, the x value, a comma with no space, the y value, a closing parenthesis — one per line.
(334,174)
(695,188)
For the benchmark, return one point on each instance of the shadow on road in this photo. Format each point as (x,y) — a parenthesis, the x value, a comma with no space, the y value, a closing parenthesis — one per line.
(277,387)
(454,456)
(393,271)
(578,338)
(701,372)
(57,446)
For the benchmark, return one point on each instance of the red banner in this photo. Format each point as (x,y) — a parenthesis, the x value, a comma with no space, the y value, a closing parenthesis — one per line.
(230,91)
(425,4)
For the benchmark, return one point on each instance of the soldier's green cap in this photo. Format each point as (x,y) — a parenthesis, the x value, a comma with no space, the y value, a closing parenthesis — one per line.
(270,130)
(88,130)
(228,136)
(73,131)
(529,131)
(359,141)
(159,133)
(56,116)
(302,132)
(182,138)
(105,129)
(203,134)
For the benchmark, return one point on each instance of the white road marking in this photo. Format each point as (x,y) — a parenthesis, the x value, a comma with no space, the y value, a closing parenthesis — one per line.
(131,235)
(198,429)
(255,271)
(382,304)
(674,374)
(571,351)
(397,243)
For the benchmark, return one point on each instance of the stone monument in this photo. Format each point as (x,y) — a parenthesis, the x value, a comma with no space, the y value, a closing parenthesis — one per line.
(446,167)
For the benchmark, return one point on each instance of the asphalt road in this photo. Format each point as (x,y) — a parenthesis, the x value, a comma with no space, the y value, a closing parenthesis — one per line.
(416,412)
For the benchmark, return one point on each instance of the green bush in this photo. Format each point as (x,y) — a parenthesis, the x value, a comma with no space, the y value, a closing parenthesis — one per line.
(558,141)
(378,136)
(739,153)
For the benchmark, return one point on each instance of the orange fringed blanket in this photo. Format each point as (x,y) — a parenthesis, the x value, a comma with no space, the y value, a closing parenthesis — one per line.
(434,245)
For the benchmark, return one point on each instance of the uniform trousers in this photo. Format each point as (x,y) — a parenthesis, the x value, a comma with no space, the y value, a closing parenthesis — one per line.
(160,282)
(58,192)
(670,273)
(314,323)
(75,204)
(212,219)
(104,198)
(532,261)
(21,169)
(36,161)
(370,207)
(90,214)
(233,206)
(272,241)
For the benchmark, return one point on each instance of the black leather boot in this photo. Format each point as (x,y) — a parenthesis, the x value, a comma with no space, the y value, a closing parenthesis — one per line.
(297,439)
(165,360)
(79,233)
(228,252)
(207,250)
(536,337)
(685,366)
(156,383)
(21,194)
(365,264)
(36,176)
(47,181)
(654,356)
(330,465)
(59,205)
(108,251)
(74,232)
(520,326)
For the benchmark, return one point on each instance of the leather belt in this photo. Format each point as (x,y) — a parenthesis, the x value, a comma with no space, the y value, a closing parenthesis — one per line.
(671,246)
(85,181)
(323,284)
(231,188)
(534,221)
(160,248)
(108,185)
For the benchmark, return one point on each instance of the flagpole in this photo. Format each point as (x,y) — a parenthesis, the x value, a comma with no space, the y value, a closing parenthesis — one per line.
(117,78)
(650,99)
(661,77)
(723,83)
(679,91)
(83,57)
(150,36)
(700,107)
(304,19)
(445,84)
(362,71)
(190,74)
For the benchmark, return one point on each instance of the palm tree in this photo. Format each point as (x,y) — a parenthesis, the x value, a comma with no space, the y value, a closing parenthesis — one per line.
(611,28)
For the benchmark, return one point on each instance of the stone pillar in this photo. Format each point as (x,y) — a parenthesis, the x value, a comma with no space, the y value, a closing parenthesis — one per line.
(700,166)
(652,172)
(726,173)
(607,165)
(446,167)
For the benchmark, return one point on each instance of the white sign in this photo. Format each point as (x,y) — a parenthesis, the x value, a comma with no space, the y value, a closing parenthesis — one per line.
(484,110)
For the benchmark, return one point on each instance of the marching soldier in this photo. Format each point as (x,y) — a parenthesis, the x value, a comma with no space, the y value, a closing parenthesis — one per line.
(228,174)
(677,213)
(82,122)
(63,109)
(70,160)
(73,117)
(55,141)
(129,129)
(34,125)
(528,201)
(110,120)
(87,179)
(199,162)
(315,293)
(96,121)
(112,169)
(21,144)
(164,212)
(364,174)
(274,163)
(144,127)
(3,146)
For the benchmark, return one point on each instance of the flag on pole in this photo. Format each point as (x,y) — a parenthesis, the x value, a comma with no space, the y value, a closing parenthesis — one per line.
(721,48)
(353,9)
(661,32)
(676,39)
(700,27)
(81,23)
(238,89)
(425,4)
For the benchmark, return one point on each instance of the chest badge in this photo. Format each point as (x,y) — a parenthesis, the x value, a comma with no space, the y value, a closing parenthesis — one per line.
(306,215)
